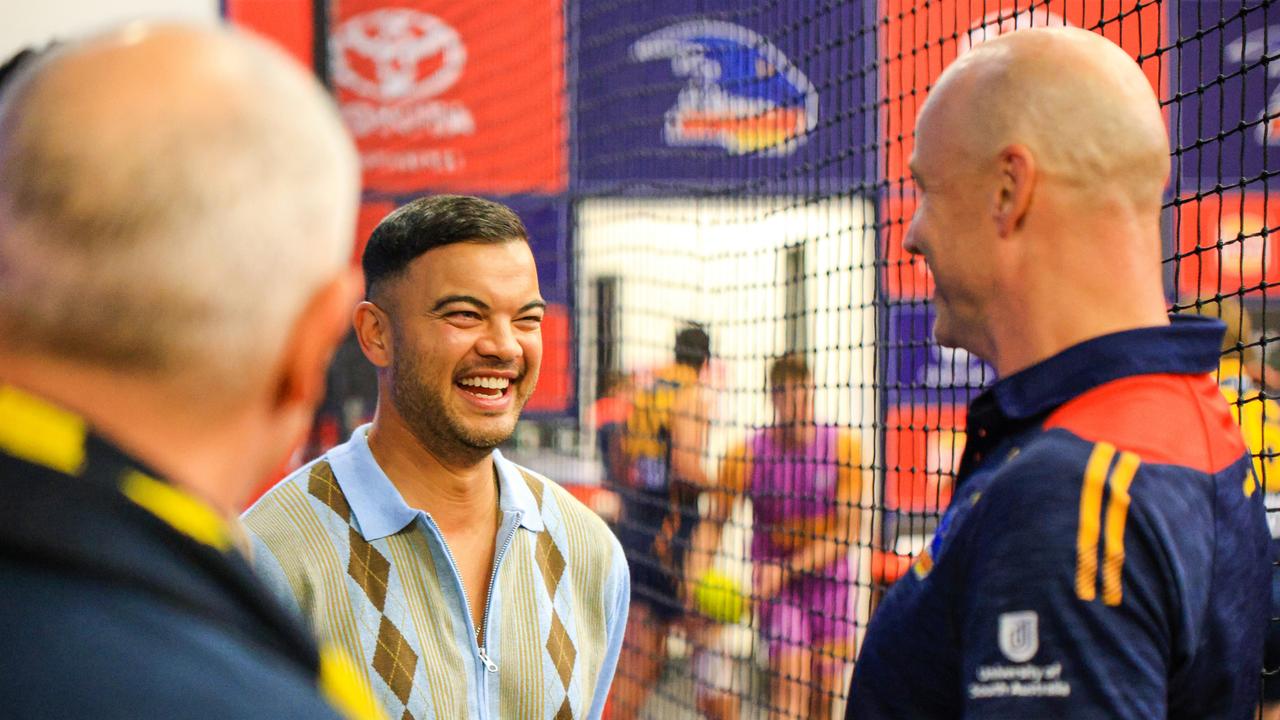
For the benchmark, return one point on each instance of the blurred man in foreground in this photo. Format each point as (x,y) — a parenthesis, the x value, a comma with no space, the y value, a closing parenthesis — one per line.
(1105,553)
(154,181)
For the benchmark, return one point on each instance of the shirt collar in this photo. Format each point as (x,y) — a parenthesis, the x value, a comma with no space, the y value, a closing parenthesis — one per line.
(1189,345)
(514,495)
(380,509)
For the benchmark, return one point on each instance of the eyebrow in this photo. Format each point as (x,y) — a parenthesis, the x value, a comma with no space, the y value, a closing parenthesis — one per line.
(451,299)
(477,302)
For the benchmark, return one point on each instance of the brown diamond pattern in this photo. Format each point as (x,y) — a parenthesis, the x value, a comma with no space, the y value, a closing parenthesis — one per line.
(321,484)
(406,715)
(561,649)
(535,487)
(369,568)
(550,562)
(394,660)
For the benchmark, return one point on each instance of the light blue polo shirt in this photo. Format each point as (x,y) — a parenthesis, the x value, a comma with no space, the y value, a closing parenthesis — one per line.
(337,540)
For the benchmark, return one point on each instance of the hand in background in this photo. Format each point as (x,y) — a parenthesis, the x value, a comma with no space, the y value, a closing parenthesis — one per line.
(769,580)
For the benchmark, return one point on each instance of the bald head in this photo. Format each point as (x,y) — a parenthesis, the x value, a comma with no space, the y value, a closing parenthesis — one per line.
(170,197)
(1040,161)
(1077,101)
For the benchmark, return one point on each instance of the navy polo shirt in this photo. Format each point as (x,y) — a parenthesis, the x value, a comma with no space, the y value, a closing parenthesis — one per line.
(1104,556)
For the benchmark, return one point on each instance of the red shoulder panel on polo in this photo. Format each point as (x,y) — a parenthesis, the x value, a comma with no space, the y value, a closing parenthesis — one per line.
(1165,419)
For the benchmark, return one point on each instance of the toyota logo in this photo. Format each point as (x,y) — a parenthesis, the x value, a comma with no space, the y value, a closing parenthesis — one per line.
(396,54)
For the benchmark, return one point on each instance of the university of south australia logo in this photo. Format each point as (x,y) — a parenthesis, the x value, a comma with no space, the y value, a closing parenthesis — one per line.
(1019,635)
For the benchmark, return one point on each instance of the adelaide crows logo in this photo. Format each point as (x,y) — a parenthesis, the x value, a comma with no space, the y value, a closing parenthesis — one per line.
(742,93)
(1254,49)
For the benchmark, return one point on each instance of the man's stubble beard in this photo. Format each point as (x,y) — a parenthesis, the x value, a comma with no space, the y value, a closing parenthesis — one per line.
(430,419)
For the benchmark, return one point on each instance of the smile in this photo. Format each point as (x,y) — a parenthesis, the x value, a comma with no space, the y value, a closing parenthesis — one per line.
(485,387)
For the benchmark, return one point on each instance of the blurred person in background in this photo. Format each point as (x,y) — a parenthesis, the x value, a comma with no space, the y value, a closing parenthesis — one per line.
(351,394)
(665,444)
(1258,416)
(155,363)
(1259,420)
(1105,553)
(610,414)
(803,481)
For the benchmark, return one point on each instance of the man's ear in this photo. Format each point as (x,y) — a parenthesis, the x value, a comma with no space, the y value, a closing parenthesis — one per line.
(316,334)
(373,330)
(1017,175)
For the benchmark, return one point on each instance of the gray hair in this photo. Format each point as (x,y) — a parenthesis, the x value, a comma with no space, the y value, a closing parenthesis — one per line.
(178,221)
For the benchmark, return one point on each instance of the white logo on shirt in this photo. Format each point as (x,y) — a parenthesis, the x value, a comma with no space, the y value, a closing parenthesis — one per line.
(1019,635)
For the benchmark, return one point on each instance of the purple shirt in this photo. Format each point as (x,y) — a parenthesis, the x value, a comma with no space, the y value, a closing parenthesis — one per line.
(788,485)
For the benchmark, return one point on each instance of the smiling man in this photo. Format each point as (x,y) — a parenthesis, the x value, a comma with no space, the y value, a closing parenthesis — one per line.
(1105,555)
(468,586)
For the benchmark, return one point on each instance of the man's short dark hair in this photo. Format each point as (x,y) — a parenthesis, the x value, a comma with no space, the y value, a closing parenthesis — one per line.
(693,346)
(431,222)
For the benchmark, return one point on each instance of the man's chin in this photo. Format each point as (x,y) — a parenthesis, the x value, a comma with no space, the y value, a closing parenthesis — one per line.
(958,336)
(487,436)
(484,431)
(942,331)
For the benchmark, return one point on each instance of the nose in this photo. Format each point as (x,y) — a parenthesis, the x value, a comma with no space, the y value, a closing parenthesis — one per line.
(499,342)
(911,241)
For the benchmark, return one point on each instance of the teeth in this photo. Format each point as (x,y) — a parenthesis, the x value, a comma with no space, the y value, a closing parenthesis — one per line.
(491,383)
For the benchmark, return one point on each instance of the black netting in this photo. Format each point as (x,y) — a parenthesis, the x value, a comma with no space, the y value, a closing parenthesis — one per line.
(736,171)
(742,166)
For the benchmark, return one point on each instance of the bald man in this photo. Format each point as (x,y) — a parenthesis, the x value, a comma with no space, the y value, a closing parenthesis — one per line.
(176,209)
(1105,555)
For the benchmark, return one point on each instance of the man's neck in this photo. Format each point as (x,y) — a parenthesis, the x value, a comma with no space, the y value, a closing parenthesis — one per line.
(459,492)
(1081,281)
(1044,324)
(145,422)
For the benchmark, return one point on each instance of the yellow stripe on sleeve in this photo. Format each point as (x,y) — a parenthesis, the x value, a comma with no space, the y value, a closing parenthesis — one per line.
(1117,513)
(343,687)
(923,565)
(1095,475)
(184,513)
(41,433)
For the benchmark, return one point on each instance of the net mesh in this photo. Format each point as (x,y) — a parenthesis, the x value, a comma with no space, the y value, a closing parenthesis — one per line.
(738,171)
(743,167)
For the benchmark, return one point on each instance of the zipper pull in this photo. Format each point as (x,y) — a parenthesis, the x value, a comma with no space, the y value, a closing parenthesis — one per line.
(489,665)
